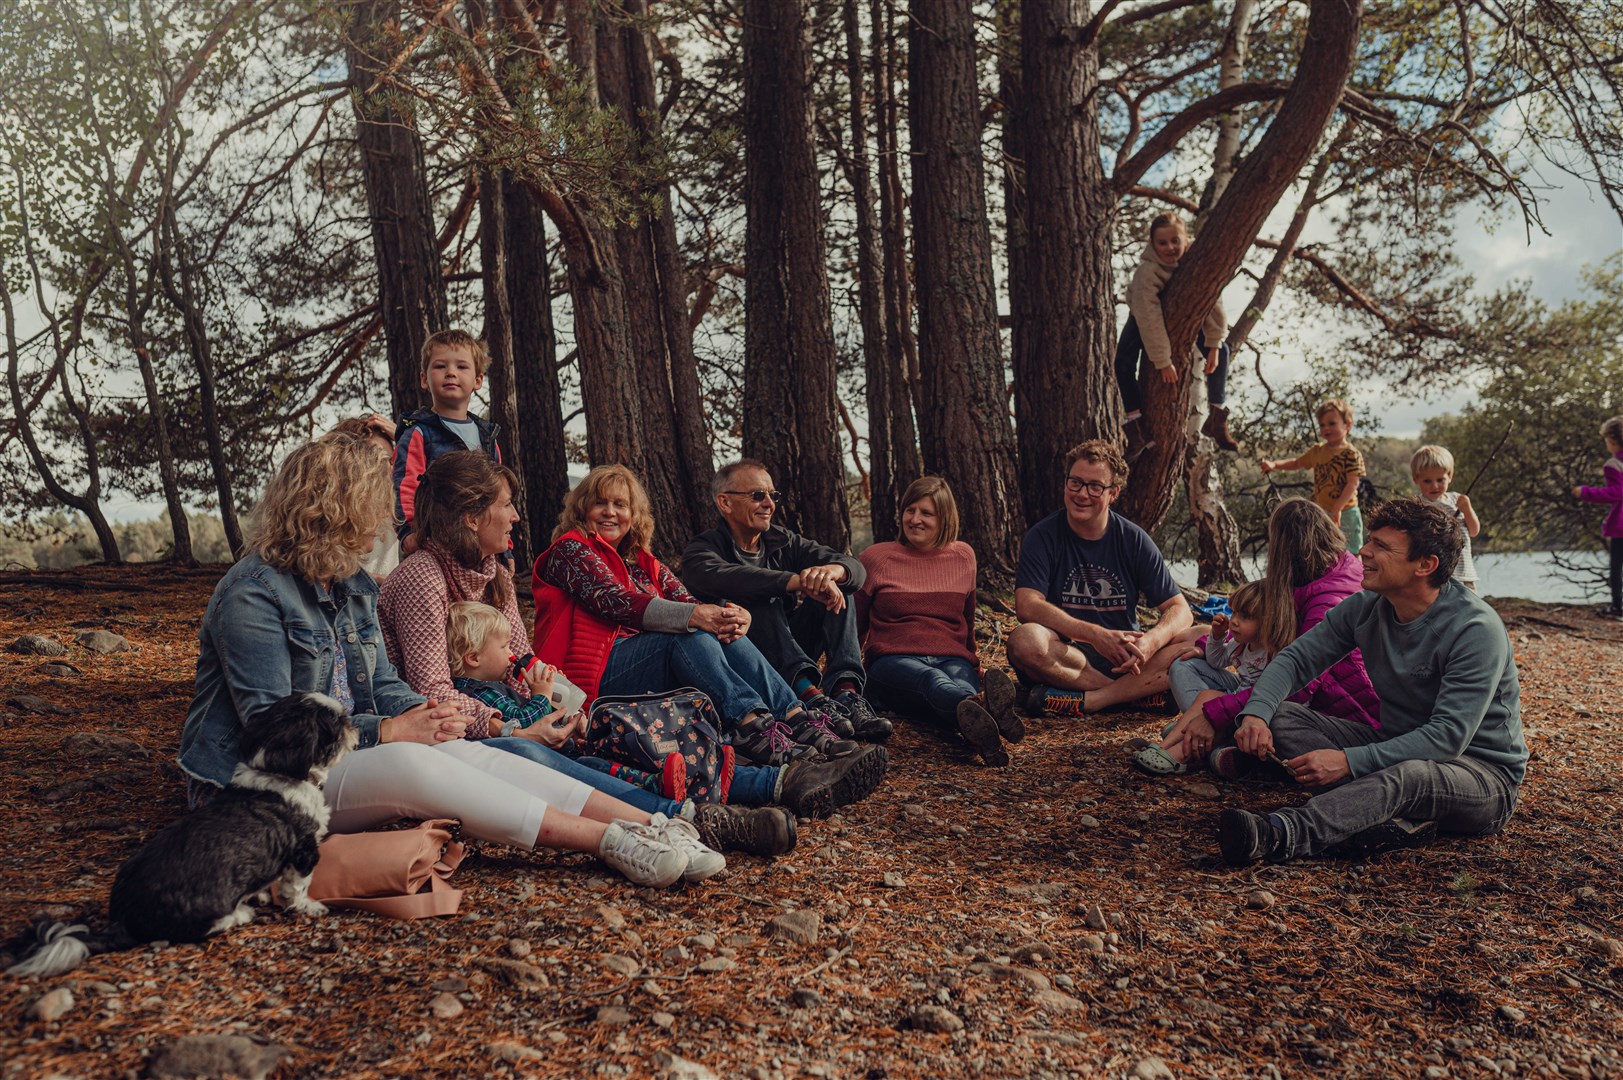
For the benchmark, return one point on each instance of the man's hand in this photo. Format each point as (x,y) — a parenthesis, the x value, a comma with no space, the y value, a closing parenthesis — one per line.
(1121,648)
(1253,737)
(821,583)
(1319,767)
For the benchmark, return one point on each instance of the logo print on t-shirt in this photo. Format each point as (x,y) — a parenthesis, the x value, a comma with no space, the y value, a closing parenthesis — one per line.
(1094,588)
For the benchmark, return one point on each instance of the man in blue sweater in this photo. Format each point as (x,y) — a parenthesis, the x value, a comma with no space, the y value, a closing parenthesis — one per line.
(1449,755)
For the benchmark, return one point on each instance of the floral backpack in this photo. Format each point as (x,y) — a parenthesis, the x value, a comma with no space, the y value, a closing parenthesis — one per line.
(641,730)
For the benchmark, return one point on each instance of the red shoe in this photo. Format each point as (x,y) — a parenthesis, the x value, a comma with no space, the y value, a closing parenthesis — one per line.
(673,782)
(724,781)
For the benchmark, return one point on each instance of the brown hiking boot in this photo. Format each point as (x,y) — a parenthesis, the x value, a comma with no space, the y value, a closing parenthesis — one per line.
(816,786)
(1138,439)
(998,694)
(979,730)
(1216,428)
(754,830)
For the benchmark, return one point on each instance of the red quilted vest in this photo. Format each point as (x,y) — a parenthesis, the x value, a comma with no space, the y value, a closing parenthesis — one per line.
(577,641)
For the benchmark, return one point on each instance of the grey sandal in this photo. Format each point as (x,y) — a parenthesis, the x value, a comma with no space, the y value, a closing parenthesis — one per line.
(1157,762)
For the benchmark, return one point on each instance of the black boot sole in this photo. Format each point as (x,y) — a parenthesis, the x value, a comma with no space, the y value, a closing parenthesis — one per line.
(1239,836)
(978,728)
(1000,694)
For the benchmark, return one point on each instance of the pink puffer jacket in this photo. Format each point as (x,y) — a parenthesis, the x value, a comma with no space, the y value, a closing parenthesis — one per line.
(1344,690)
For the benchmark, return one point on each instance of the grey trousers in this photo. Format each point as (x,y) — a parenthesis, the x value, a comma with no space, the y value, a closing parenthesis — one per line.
(1464,796)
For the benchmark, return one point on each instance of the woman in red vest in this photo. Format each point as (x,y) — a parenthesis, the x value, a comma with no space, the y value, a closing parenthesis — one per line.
(616,621)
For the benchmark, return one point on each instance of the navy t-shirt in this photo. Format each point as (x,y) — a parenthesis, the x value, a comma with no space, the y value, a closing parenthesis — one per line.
(1098,581)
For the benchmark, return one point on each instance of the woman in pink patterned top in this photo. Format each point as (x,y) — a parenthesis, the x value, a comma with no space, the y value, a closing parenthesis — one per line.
(916,617)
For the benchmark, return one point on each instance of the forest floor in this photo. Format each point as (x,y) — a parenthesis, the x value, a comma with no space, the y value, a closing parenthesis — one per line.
(1070,914)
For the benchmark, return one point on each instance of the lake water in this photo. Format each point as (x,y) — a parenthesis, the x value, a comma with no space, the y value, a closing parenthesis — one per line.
(1528,574)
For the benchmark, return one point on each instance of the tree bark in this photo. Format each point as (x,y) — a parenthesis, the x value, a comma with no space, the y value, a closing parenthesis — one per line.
(901,347)
(790,419)
(1064,380)
(964,425)
(1262,178)
(411,292)
(498,334)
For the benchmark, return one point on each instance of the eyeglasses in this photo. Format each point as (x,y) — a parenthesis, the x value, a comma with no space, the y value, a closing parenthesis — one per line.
(1076,485)
(759,495)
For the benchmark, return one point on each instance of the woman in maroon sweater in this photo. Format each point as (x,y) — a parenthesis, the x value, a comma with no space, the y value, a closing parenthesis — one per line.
(916,617)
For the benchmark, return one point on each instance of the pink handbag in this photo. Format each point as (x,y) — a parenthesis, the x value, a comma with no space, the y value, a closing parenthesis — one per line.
(384,872)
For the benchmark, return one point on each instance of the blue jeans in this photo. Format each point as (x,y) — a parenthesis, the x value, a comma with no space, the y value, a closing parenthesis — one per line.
(1189,677)
(753,785)
(929,686)
(736,675)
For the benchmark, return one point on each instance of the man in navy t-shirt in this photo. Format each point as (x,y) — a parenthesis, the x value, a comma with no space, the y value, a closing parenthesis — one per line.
(1083,571)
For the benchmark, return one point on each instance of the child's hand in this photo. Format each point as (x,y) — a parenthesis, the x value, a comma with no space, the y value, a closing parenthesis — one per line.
(1577,492)
(1211,361)
(539,678)
(1266,466)
(1220,626)
(1169,374)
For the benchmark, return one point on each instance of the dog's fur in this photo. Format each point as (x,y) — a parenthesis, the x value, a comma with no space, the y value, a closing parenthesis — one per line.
(200,875)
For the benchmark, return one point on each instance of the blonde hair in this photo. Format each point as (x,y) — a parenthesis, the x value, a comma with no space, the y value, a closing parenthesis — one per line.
(1250,601)
(1304,542)
(323,507)
(1613,429)
(581,497)
(468,625)
(1168,221)
(1431,457)
(946,507)
(456,339)
(1338,406)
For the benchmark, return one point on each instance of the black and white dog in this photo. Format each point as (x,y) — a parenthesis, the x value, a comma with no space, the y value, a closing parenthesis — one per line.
(200,875)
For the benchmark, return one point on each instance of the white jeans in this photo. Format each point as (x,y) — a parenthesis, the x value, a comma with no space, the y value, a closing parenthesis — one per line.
(498,797)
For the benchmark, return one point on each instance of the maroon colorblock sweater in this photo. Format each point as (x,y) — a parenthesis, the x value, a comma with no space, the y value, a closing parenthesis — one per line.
(918,602)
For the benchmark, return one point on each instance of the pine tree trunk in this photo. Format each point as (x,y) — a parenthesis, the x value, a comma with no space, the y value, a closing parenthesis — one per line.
(411,292)
(964,425)
(1065,384)
(1259,182)
(498,335)
(790,419)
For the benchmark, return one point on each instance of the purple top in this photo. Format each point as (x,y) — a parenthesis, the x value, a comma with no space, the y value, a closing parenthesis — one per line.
(1610,492)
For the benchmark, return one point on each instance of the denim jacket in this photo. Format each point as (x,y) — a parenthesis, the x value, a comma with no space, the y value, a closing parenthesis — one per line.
(268,633)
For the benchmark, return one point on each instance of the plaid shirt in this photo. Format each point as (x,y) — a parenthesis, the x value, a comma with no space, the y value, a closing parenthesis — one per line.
(504,700)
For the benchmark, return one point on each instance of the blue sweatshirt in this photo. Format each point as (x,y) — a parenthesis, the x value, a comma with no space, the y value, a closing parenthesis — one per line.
(1447,680)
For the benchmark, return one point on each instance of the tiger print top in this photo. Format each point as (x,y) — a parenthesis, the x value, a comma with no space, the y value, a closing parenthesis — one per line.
(1332,467)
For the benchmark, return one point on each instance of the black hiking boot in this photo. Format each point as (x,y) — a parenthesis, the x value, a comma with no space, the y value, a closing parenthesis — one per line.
(979,730)
(818,786)
(1000,695)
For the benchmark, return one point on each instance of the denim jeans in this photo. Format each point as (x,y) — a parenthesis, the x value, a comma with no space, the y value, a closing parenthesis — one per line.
(736,675)
(1463,796)
(753,785)
(926,686)
(1189,677)
(1129,349)
(792,641)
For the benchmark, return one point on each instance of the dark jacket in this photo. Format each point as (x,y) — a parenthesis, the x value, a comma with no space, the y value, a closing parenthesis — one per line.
(714,572)
(423,437)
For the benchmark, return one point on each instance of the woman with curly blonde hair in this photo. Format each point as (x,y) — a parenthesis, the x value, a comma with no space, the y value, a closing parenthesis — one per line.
(615,620)
(297,615)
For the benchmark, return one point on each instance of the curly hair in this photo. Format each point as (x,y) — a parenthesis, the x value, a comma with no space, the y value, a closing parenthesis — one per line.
(1304,542)
(324,507)
(1100,452)
(578,503)
(458,486)
(468,625)
(1431,530)
(938,491)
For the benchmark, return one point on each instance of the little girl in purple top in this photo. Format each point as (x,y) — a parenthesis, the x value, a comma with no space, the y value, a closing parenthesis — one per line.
(1611,492)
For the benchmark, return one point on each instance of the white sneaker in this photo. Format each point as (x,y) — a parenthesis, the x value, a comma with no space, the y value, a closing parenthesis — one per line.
(684,837)
(641,854)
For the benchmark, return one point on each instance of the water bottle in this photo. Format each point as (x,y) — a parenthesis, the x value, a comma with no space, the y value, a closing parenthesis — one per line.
(567,698)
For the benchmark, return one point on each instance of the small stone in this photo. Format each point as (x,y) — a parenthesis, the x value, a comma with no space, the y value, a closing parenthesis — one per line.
(216,1055)
(1151,1068)
(680,1068)
(935,1018)
(30,704)
(958,830)
(1585,895)
(914,810)
(676,954)
(101,641)
(805,998)
(703,941)
(1259,900)
(513,1052)
(1094,916)
(452,985)
(36,645)
(663,1019)
(518,948)
(614,1016)
(1435,1072)
(1054,1001)
(1092,943)
(893,880)
(1512,1014)
(1611,948)
(516,973)
(621,965)
(611,917)
(1029,952)
(53,1005)
(1204,791)
(798,927)
(446,1006)
(1087,821)
(717,964)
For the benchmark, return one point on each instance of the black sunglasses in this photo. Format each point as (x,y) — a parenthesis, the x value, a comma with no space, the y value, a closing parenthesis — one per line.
(759,495)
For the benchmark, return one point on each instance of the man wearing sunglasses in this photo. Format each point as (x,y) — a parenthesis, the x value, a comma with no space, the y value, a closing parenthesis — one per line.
(1083,570)
(796,591)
